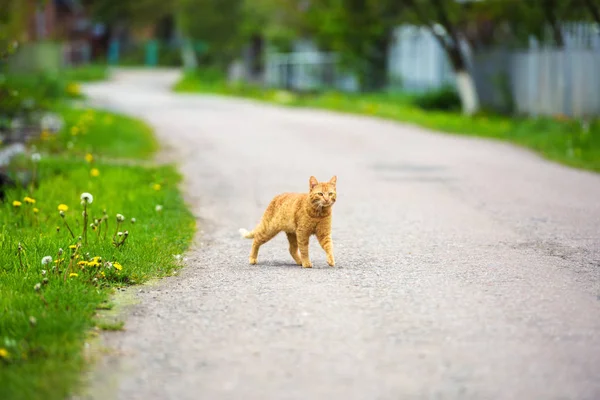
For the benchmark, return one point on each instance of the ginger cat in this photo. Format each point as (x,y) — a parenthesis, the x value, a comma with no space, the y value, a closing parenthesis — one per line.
(299,215)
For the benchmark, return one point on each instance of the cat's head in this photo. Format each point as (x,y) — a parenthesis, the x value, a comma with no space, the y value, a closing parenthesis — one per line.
(322,194)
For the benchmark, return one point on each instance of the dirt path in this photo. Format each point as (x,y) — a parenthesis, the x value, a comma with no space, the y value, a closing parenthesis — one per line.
(467,269)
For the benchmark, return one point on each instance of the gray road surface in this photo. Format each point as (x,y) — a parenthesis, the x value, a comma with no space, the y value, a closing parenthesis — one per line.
(467,269)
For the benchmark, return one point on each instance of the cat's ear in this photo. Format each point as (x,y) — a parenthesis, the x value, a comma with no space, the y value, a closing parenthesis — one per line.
(333,180)
(313,182)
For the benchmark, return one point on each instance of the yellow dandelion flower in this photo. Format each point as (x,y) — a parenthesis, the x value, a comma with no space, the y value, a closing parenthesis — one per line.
(156,186)
(74,130)
(73,89)
(72,247)
(89,158)
(63,207)
(94,264)
(73,275)
(36,210)
(94,172)
(3,352)
(103,274)
(117,266)
(29,200)
(16,203)
(82,263)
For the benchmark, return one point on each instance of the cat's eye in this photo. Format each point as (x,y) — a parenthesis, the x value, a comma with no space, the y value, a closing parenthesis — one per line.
(320,194)
(331,193)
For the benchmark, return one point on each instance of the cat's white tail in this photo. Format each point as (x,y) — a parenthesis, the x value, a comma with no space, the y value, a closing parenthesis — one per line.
(246,234)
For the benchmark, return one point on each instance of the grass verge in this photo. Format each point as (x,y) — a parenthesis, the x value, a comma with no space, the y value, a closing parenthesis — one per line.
(567,141)
(48,296)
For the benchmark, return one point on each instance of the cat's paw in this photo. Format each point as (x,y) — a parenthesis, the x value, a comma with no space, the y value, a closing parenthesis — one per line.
(252,261)
(331,262)
(307,264)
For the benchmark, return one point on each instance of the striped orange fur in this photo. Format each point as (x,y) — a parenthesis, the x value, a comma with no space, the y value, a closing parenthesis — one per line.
(299,215)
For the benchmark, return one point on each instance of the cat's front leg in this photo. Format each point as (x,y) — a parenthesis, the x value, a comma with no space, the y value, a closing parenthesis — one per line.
(327,245)
(303,238)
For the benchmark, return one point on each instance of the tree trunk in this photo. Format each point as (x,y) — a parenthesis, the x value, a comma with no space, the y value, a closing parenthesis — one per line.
(464,81)
(549,8)
(375,77)
(594,10)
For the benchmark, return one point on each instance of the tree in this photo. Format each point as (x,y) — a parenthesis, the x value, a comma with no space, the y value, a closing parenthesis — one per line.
(360,31)
(444,19)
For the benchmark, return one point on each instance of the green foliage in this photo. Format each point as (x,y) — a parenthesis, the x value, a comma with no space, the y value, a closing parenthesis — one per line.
(43,327)
(444,98)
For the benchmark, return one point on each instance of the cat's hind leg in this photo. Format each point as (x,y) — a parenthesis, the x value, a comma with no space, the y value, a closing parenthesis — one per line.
(292,238)
(260,238)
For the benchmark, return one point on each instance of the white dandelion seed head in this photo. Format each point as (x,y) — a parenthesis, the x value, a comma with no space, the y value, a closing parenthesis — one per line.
(119,233)
(36,157)
(45,281)
(60,251)
(120,218)
(62,213)
(32,320)
(158,207)
(44,272)
(37,287)
(87,197)
(178,257)
(133,220)
(46,260)
(92,225)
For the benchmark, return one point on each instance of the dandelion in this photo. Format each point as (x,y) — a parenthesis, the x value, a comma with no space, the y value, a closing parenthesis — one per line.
(158,208)
(44,272)
(36,210)
(60,251)
(89,157)
(29,200)
(37,287)
(16,203)
(36,157)
(61,211)
(74,130)
(82,263)
(133,220)
(46,260)
(156,186)
(63,207)
(117,266)
(32,320)
(95,172)
(73,275)
(87,197)
(72,247)
(45,281)
(120,218)
(4,353)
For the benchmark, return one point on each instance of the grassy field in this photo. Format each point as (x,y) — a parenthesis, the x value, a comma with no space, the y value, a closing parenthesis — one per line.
(559,139)
(57,271)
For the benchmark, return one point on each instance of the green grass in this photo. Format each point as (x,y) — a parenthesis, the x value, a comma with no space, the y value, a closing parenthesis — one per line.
(112,135)
(86,73)
(43,359)
(557,139)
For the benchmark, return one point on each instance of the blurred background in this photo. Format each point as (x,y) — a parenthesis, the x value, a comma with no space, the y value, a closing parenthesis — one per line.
(513,58)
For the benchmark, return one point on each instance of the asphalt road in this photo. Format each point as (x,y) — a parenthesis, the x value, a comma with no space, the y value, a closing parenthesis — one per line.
(466,268)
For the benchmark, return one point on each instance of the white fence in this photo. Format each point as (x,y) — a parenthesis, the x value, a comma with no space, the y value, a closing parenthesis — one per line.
(534,81)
